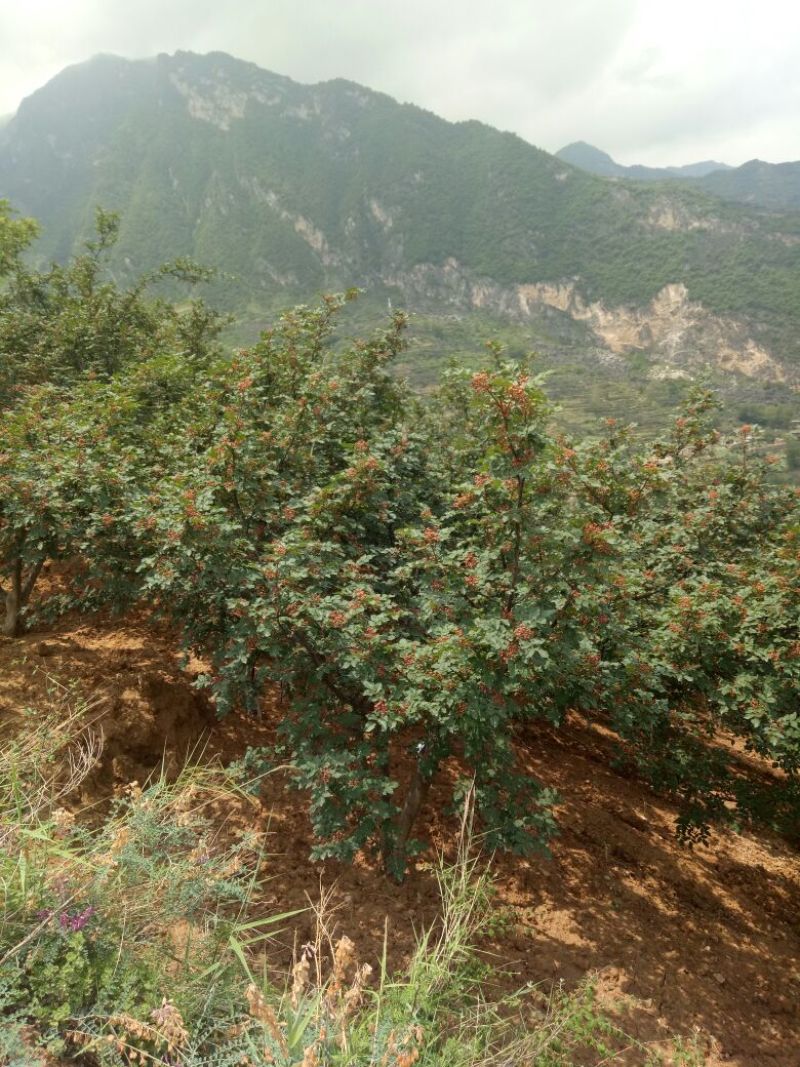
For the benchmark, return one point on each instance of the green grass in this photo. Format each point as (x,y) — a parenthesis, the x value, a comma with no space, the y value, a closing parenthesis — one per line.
(131,939)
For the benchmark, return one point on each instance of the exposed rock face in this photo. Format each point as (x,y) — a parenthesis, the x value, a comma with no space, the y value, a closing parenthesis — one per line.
(669,216)
(678,334)
(677,331)
(380,214)
(219,105)
(753,361)
(451,286)
(216,99)
(316,239)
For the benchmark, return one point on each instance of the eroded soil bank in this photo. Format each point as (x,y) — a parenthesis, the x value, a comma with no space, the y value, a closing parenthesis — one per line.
(684,942)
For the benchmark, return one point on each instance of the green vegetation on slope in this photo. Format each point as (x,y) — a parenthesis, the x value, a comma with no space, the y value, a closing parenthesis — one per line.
(420,580)
(290,189)
(770,185)
(587,157)
(140,937)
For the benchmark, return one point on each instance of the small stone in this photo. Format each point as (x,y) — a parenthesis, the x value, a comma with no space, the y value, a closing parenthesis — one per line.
(719,978)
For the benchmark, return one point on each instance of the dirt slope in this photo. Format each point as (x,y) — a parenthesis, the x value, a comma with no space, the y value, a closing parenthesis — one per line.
(691,942)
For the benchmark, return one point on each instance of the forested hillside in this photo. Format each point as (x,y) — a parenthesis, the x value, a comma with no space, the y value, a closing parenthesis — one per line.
(587,157)
(770,185)
(775,186)
(289,189)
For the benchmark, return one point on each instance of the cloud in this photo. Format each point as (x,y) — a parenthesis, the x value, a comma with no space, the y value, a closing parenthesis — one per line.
(647,82)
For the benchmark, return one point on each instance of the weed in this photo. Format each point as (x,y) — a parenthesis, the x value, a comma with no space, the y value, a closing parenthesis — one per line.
(132,942)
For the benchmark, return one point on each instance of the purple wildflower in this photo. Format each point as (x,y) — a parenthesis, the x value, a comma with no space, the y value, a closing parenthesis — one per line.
(76,922)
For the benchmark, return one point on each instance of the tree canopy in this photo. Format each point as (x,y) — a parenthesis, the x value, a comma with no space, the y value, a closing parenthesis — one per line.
(424,582)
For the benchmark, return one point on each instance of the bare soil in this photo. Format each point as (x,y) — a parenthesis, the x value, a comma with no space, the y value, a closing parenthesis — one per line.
(702,942)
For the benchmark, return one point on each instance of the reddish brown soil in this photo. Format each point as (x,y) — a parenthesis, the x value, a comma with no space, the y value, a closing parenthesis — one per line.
(703,942)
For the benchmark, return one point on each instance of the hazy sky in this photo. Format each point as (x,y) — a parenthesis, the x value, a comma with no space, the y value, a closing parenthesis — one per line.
(648,81)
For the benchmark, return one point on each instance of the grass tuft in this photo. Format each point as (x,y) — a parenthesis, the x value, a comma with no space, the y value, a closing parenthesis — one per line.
(133,940)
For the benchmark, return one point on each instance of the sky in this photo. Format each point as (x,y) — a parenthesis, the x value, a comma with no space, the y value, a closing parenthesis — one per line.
(648,81)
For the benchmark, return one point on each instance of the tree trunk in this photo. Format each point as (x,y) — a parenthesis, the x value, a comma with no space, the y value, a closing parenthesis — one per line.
(10,627)
(17,596)
(394,858)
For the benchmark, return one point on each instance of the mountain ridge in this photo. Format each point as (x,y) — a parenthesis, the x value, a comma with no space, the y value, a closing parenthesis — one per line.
(291,189)
(775,186)
(596,161)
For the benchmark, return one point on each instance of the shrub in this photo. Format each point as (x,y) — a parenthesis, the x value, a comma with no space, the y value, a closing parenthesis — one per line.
(422,582)
(64,333)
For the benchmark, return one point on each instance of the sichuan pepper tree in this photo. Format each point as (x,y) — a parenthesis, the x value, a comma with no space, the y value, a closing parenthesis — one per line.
(701,641)
(72,320)
(422,581)
(75,407)
(73,463)
(320,542)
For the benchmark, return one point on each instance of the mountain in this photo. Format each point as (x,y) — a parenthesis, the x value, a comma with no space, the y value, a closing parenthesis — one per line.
(591,159)
(775,186)
(771,185)
(291,189)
